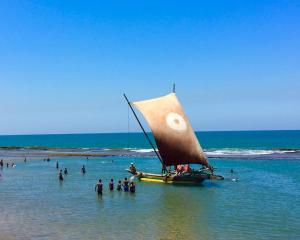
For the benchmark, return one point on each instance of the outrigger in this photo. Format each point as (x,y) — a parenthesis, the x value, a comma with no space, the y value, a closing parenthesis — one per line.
(176,142)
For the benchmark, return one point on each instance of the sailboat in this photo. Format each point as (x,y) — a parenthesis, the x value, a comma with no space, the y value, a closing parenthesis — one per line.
(176,142)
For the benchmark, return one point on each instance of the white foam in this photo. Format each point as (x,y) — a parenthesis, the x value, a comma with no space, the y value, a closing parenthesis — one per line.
(240,152)
(142,150)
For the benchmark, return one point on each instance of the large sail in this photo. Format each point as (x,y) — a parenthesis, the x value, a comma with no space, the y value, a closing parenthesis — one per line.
(174,136)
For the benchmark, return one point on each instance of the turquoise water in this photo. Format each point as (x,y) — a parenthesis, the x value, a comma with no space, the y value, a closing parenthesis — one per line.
(261,200)
(234,139)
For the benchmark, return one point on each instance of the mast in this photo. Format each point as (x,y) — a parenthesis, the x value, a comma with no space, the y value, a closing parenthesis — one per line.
(149,140)
(173,87)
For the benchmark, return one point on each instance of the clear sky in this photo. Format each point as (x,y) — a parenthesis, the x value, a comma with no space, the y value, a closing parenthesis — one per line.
(64,65)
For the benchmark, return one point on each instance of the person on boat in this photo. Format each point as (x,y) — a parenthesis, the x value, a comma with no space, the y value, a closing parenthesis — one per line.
(60,176)
(187,168)
(179,169)
(66,171)
(83,169)
(111,185)
(57,165)
(119,186)
(99,187)
(132,187)
(126,185)
(132,168)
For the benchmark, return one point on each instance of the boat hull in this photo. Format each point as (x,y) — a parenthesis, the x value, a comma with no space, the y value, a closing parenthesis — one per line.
(183,178)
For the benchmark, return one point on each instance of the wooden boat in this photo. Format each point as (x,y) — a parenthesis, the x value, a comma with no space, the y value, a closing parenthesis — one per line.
(191,177)
(175,139)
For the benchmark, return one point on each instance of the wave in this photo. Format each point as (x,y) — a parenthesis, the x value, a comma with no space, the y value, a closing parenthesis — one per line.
(239,152)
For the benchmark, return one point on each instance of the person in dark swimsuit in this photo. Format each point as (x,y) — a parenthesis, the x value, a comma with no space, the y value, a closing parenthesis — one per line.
(99,187)
(60,176)
(132,187)
(83,169)
(66,171)
(57,165)
(119,186)
(126,185)
(111,185)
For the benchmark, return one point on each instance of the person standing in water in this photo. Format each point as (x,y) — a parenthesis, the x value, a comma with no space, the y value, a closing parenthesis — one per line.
(132,187)
(1,163)
(25,160)
(119,186)
(126,185)
(66,171)
(60,176)
(111,185)
(83,169)
(99,187)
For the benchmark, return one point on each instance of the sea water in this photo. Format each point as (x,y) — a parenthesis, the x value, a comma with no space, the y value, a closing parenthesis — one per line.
(260,200)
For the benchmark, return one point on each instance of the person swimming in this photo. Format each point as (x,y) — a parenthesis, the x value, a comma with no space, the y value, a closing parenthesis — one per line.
(60,176)
(111,185)
(83,169)
(126,185)
(119,186)
(66,171)
(132,187)
(99,187)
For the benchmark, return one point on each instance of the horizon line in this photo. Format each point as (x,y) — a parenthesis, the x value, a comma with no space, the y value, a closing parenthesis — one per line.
(90,133)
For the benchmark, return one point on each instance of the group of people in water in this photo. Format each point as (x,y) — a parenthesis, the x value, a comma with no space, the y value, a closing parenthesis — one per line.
(126,186)
(7,164)
(61,173)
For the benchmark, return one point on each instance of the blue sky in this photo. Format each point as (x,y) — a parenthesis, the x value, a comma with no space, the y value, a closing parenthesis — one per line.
(64,65)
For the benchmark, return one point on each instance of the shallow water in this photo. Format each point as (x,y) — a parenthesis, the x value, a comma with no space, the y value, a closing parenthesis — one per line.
(263,203)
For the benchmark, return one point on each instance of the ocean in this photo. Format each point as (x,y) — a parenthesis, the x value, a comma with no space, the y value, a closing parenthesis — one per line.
(260,200)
